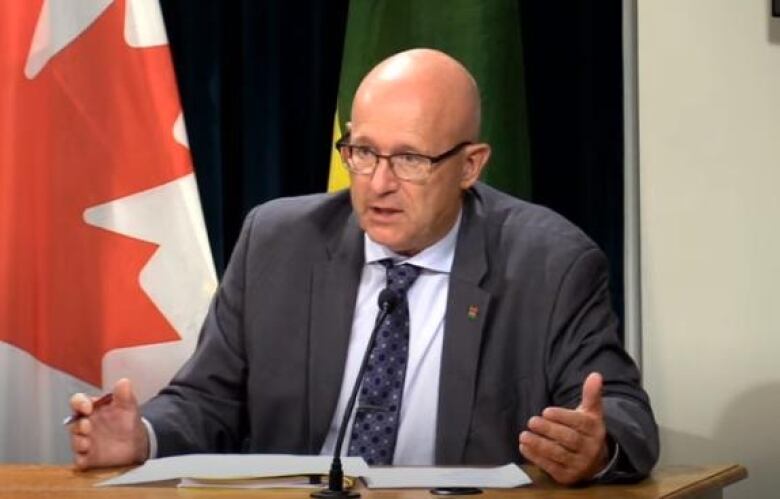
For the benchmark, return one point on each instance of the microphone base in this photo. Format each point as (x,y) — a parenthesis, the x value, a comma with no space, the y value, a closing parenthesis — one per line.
(330,494)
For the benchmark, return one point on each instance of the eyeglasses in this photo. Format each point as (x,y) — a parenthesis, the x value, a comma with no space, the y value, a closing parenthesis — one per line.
(363,160)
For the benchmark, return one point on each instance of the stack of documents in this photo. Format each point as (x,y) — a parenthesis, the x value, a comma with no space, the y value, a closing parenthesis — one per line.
(285,471)
(393,477)
(210,470)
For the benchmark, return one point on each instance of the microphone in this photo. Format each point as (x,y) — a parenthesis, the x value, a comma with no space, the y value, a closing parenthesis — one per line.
(387,301)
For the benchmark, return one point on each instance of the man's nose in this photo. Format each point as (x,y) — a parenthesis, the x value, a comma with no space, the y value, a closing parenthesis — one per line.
(383,179)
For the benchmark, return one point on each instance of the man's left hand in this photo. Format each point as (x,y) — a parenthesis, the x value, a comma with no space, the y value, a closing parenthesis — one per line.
(570,445)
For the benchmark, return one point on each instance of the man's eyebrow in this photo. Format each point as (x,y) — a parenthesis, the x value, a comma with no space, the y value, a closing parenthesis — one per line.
(406,148)
(401,148)
(360,141)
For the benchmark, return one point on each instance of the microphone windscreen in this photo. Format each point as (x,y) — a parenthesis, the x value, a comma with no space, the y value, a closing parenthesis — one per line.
(388,299)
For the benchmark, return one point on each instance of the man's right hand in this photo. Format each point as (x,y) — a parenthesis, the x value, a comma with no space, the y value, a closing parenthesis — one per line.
(111,435)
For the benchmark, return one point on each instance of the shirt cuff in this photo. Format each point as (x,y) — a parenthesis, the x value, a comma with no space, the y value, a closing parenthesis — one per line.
(608,467)
(153,439)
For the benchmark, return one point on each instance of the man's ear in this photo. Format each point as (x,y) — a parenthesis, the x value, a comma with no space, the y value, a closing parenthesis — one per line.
(477,156)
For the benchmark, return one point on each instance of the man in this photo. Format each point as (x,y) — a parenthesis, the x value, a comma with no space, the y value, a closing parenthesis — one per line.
(504,343)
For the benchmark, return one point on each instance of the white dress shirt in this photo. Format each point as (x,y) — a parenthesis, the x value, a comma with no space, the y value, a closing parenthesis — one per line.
(416,442)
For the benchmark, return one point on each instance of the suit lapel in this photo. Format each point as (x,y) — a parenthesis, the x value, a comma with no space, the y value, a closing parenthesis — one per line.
(467,307)
(334,288)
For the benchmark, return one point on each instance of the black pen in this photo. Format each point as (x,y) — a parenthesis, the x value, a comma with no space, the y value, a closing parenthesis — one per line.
(99,402)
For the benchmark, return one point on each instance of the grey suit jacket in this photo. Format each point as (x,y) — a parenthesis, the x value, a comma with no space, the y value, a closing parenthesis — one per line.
(266,374)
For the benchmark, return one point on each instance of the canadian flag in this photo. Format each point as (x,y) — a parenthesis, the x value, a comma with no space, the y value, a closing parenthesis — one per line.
(105,267)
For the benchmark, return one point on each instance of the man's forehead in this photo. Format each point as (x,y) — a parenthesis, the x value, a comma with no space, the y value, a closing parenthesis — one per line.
(404,91)
(400,102)
(394,125)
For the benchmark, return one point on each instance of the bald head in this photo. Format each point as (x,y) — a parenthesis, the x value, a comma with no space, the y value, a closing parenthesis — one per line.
(415,106)
(439,87)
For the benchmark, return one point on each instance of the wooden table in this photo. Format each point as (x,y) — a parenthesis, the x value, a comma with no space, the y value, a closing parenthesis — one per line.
(33,481)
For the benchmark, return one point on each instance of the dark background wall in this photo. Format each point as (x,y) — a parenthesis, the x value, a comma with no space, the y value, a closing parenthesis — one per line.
(574,66)
(258,82)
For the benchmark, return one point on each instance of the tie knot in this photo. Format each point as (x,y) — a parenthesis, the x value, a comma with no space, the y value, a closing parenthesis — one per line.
(400,277)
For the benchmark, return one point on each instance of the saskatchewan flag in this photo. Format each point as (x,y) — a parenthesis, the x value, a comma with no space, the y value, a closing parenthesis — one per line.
(484,35)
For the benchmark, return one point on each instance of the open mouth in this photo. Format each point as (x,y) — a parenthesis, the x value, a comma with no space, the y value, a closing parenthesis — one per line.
(384,213)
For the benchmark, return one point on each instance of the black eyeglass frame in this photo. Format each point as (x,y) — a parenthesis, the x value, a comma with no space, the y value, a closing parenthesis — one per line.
(434,160)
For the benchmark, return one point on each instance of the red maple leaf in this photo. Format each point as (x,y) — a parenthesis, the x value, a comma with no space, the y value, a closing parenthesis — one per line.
(93,126)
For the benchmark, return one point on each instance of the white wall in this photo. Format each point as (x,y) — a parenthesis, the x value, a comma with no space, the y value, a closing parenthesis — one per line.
(709,120)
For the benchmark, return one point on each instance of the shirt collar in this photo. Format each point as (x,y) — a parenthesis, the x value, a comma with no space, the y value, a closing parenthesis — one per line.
(437,257)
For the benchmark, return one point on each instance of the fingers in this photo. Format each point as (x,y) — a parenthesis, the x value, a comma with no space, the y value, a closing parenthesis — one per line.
(80,444)
(112,433)
(123,393)
(566,436)
(589,424)
(587,418)
(81,461)
(81,404)
(83,454)
(569,444)
(539,452)
(591,393)
(565,465)
(81,427)
(540,447)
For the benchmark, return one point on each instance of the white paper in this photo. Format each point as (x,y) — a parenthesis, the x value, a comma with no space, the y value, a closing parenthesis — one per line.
(233,466)
(266,483)
(393,477)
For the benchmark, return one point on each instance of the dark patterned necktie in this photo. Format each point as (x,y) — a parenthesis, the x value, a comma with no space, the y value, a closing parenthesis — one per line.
(377,416)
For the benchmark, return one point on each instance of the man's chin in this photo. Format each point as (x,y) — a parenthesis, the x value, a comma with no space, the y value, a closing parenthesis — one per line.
(380,237)
(389,240)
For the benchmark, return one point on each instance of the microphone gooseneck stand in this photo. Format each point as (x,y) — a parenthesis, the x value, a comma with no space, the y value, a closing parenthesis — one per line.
(388,300)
